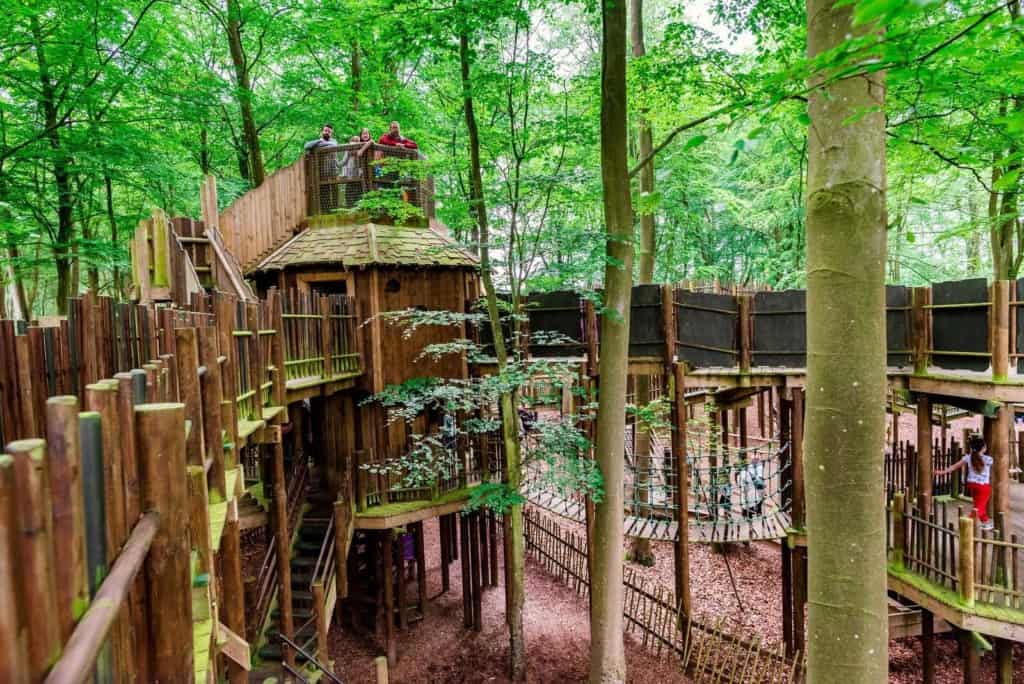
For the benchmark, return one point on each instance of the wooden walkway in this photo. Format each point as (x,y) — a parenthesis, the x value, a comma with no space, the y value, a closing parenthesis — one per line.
(732,529)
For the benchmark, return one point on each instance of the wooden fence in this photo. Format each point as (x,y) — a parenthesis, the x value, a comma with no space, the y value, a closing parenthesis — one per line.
(262,219)
(145,481)
(713,653)
(947,549)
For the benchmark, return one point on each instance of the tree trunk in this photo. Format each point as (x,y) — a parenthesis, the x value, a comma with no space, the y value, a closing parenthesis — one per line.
(61,175)
(642,551)
(357,74)
(515,562)
(845,419)
(108,187)
(607,656)
(204,151)
(243,92)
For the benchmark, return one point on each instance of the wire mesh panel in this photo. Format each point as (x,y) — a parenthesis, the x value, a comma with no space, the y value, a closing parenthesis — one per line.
(343,176)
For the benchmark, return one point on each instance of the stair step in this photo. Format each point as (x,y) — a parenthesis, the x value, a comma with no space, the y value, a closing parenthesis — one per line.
(273,652)
(299,615)
(302,596)
(304,561)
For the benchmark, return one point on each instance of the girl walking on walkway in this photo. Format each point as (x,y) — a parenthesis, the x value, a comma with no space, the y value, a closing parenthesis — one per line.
(979,477)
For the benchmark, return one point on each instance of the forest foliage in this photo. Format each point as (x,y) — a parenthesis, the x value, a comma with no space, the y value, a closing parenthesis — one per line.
(108,110)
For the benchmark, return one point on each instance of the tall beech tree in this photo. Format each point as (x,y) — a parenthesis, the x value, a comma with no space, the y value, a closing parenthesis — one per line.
(846,384)
(607,656)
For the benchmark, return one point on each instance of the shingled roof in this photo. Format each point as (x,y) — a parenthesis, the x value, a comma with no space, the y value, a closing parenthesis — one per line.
(363,244)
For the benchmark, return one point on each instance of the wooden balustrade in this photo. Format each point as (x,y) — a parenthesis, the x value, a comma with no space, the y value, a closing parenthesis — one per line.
(946,549)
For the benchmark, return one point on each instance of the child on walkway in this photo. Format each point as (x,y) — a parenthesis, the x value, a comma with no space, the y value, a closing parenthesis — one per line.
(979,477)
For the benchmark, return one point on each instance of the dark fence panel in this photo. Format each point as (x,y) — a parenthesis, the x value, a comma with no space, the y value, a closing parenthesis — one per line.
(646,323)
(1019,345)
(897,326)
(483,331)
(707,329)
(556,324)
(960,324)
(780,329)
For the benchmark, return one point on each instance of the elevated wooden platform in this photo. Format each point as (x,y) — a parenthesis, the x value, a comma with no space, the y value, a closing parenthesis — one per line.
(402,513)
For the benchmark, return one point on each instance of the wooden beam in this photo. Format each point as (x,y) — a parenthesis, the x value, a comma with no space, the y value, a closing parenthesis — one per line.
(235,648)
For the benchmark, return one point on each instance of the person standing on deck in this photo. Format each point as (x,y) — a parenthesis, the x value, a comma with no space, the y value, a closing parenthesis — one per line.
(979,477)
(395,138)
(325,149)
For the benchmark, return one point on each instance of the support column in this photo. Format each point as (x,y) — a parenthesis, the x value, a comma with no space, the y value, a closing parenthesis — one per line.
(927,647)
(787,597)
(799,500)
(282,538)
(443,525)
(421,569)
(233,596)
(682,550)
(924,453)
(387,537)
(1004,661)
(999,449)
(467,581)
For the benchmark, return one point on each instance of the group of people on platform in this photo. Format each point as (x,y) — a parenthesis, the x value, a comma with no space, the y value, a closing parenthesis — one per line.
(347,160)
(392,138)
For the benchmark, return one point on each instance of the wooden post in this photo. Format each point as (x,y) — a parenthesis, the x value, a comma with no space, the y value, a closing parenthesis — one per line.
(233,595)
(965,566)
(34,553)
(14,633)
(999,448)
(344,519)
(421,569)
(799,501)
(388,537)
(799,598)
(321,621)
(787,596)
(681,548)
(199,518)
(160,432)
(326,337)
(280,391)
(467,583)
(746,329)
(212,390)
(225,317)
(68,512)
(282,539)
(924,453)
(591,333)
(102,398)
(94,498)
(474,570)
(403,600)
(927,647)
(1004,658)
(444,523)
(920,333)
(1000,328)
(187,360)
(899,528)
(493,532)
(381,665)
(128,384)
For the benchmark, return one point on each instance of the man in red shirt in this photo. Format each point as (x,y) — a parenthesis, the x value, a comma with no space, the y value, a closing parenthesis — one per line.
(395,138)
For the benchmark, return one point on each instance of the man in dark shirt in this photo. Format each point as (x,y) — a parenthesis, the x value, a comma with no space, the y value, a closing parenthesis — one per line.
(395,138)
(325,149)
(326,139)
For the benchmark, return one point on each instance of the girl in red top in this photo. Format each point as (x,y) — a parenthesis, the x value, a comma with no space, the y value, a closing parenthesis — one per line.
(979,477)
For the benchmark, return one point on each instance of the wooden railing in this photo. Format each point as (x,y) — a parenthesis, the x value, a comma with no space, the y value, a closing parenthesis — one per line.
(947,550)
(341,177)
(123,487)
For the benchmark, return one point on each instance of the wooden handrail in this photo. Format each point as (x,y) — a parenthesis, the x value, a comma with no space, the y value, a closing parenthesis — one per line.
(76,664)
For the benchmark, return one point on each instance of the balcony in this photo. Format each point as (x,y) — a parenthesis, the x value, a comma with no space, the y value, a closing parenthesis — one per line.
(386,183)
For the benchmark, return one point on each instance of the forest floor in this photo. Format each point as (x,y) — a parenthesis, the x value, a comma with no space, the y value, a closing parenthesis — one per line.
(440,650)
(740,583)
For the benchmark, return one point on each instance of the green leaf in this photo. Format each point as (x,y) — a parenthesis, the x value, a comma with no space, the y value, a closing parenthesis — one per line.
(804,119)
(694,141)
(1007,180)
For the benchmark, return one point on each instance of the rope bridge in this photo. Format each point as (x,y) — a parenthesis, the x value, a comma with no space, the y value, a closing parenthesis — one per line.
(735,494)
